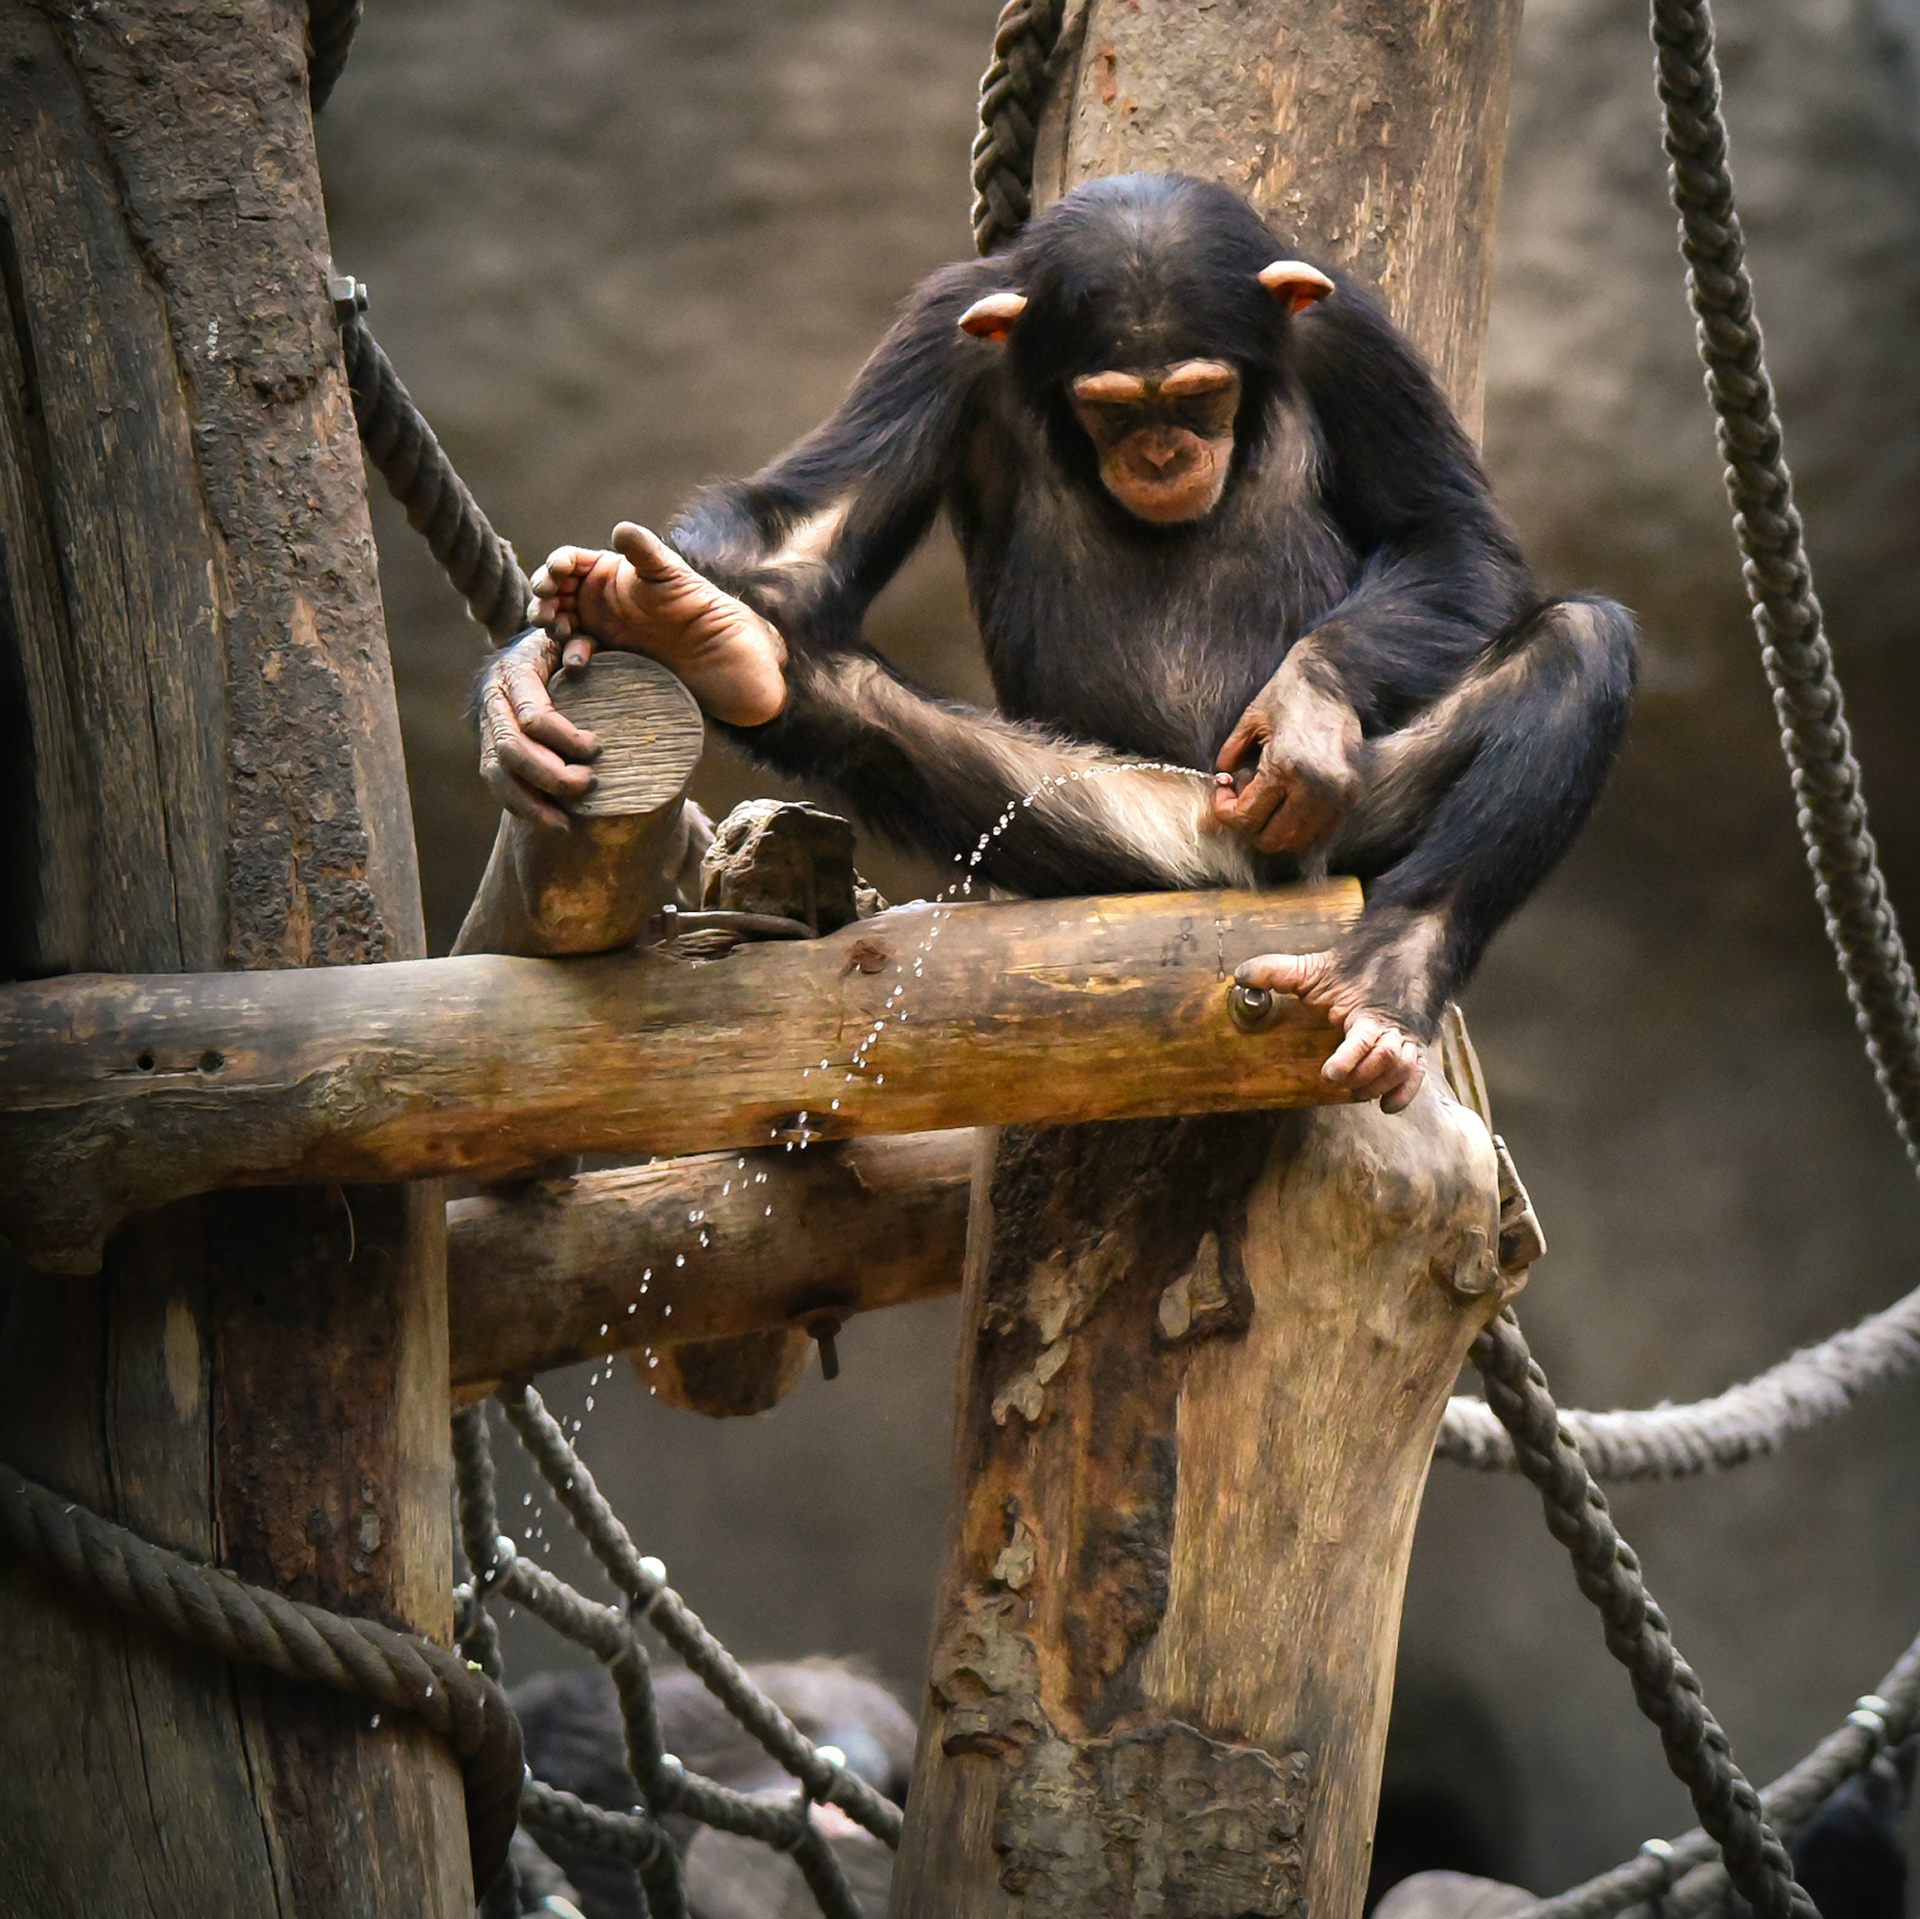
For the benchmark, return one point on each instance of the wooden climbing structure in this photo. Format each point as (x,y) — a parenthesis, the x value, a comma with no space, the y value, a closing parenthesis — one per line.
(1213,1319)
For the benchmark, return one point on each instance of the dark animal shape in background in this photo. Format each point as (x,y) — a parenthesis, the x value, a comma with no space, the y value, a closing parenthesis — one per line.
(1215,512)
(574,1740)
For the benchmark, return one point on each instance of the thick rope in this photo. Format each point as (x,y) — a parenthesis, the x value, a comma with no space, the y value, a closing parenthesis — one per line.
(649,1598)
(1679,1877)
(1608,1573)
(1831,809)
(398,1672)
(605,1634)
(1804,1392)
(1012,91)
(398,440)
(331,25)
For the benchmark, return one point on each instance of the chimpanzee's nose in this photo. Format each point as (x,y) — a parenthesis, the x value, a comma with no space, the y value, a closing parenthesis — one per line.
(1161,457)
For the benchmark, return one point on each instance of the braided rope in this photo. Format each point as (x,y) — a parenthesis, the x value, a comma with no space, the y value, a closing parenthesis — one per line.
(649,1598)
(1807,1390)
(1608,1572)
(398,440)
(331,25)
(1012,91)
(359,1657)
(1681,1878)
(1830,807)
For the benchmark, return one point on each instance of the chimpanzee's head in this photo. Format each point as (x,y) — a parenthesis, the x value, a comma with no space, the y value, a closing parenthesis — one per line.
(1146,319)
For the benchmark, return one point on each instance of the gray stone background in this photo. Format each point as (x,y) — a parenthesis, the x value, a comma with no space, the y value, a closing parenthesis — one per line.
(615,250)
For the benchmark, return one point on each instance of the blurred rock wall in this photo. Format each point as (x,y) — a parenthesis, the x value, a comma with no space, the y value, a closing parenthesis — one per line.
(616,250)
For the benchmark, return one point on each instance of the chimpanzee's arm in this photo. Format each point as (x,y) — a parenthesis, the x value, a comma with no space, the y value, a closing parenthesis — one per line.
(810,541)
(1441,575)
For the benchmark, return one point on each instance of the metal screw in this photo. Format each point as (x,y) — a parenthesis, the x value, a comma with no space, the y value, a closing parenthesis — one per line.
(1250,1007)
(823,1329)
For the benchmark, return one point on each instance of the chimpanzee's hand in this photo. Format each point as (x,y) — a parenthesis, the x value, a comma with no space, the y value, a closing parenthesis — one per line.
(530,753)
(644,598)
(1289,772)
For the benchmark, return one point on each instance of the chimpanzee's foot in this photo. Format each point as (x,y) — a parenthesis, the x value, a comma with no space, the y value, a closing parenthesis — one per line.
(1378,1057)
(644,598)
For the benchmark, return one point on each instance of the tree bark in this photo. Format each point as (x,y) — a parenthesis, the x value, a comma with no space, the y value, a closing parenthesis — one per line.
(1044,1010)
(204,769)
(1208,1357)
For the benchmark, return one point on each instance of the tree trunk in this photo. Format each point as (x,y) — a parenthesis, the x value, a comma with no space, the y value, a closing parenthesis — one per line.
(205,771)
(1208,1357)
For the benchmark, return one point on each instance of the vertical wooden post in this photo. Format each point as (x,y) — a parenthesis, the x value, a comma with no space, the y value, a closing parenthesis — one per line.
(203,769)
(1207,1358)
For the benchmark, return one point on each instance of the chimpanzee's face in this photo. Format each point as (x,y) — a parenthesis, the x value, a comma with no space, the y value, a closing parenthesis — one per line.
(1140,312)
(1163,436)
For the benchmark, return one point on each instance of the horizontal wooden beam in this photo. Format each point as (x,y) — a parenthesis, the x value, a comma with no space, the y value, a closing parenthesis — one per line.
(556,1271)
(119,1094)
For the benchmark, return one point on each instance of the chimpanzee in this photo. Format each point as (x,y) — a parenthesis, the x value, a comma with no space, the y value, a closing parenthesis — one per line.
(574,1739)
(1215,512)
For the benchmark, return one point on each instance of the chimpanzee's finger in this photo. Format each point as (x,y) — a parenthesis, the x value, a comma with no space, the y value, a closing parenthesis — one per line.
(552,728)
(1362,1036)
(521,801)
(577,652)
(1249,810)
(1403,1095)
(1251,731)
(649,555)
(524,683)
(1295,973)
(1379,1068)
(526,759)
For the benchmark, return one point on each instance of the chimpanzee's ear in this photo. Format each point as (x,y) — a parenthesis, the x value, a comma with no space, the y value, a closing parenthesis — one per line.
(1295,284)
(991,317)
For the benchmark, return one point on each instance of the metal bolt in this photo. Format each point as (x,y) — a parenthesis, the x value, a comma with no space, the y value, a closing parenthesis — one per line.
(823,1329)
(1250,1007)
(349,296)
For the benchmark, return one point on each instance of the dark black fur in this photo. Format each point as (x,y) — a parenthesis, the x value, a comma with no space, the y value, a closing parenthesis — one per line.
(1356,508)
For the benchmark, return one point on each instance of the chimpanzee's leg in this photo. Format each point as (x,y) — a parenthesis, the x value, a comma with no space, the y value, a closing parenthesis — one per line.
(1462,814)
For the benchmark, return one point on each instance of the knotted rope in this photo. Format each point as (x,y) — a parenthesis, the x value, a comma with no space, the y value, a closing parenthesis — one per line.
(1607,1571)
(398,1672)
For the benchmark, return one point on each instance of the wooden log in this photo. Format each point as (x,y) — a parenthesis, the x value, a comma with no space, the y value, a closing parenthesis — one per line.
(632,844)
(206,772)
(555,1271)
(119,1094)
(1207,1358)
